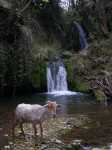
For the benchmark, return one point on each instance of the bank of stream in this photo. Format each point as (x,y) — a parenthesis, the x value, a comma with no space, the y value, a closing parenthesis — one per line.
(81,123)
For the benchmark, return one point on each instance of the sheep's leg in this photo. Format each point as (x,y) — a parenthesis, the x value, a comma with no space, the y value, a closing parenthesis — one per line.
(21,127)
(41,129)
(13,128)
(35,129)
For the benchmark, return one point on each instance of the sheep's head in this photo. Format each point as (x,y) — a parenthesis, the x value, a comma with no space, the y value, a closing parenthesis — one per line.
(52,107)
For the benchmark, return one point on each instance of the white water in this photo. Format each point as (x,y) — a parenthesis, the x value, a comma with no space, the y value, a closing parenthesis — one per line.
(65,4)
(83,40)
(61,79)
(50,82)
(57,79)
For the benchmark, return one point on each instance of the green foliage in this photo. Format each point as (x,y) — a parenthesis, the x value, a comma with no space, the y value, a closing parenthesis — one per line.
(33,33)
(100,96)
(81,85)
(16,58)
(70,73)
(101,48)
(75,76)
(38,77)
(45,1)
(44,50)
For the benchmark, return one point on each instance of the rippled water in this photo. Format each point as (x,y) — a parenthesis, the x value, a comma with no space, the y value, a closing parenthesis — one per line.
(100,115)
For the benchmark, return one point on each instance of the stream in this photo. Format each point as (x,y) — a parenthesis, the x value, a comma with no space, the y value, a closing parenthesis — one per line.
(98,132)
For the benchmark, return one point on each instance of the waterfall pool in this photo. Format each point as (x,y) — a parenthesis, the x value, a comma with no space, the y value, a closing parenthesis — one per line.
(97,132)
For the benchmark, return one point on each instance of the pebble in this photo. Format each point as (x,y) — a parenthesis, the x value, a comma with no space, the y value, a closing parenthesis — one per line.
(43,147)
(86,147)
(6,135)
(7,147)
(53,148)
(68,146)
(10,143)
(58,141)
(76,142)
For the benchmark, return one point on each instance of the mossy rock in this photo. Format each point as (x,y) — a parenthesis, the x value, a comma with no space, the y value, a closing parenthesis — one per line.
(67,54)
(75,81)
(100,95)
(70,74)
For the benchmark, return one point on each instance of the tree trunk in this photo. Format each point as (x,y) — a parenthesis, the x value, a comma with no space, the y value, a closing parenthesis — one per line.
(14,86)
(2,87)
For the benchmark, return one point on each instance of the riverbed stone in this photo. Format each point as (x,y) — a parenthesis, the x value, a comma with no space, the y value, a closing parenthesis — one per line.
(96,149)
(7,147)
(52,149)
(58,141)
(43,147)
(76,142)
(55,132)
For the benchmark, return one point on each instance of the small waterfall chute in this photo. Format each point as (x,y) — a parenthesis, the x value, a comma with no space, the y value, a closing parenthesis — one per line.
(82,36)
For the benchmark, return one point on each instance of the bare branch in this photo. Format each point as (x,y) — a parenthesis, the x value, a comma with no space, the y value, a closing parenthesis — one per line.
(25,7)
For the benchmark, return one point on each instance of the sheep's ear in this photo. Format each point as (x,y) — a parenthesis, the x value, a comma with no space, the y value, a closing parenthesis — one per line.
(48,103)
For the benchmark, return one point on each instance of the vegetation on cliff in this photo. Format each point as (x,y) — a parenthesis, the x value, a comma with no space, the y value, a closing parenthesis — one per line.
(33,32)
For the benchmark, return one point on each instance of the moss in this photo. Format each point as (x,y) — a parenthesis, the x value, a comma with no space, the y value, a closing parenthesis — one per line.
(70,74)
(75,75)
(39,76)
(100,95)
(81,85)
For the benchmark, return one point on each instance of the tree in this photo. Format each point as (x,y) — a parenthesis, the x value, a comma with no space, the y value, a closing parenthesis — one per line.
(15,53)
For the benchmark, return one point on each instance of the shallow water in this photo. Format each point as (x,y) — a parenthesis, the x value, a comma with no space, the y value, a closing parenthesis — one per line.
(100,127)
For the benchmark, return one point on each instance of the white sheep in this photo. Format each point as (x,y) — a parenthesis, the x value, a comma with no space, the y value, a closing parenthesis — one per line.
(35,114)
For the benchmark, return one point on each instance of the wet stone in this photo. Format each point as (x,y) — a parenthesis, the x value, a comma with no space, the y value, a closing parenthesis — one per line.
(97,149)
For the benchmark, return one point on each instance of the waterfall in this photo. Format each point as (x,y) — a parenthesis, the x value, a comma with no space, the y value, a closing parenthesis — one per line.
(65,4)
(56,77)
(82,35)
(61,79)
(50,82)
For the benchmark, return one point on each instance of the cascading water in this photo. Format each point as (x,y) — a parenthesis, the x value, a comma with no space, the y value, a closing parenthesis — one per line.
(61,79)
(82,35)
(57,79)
